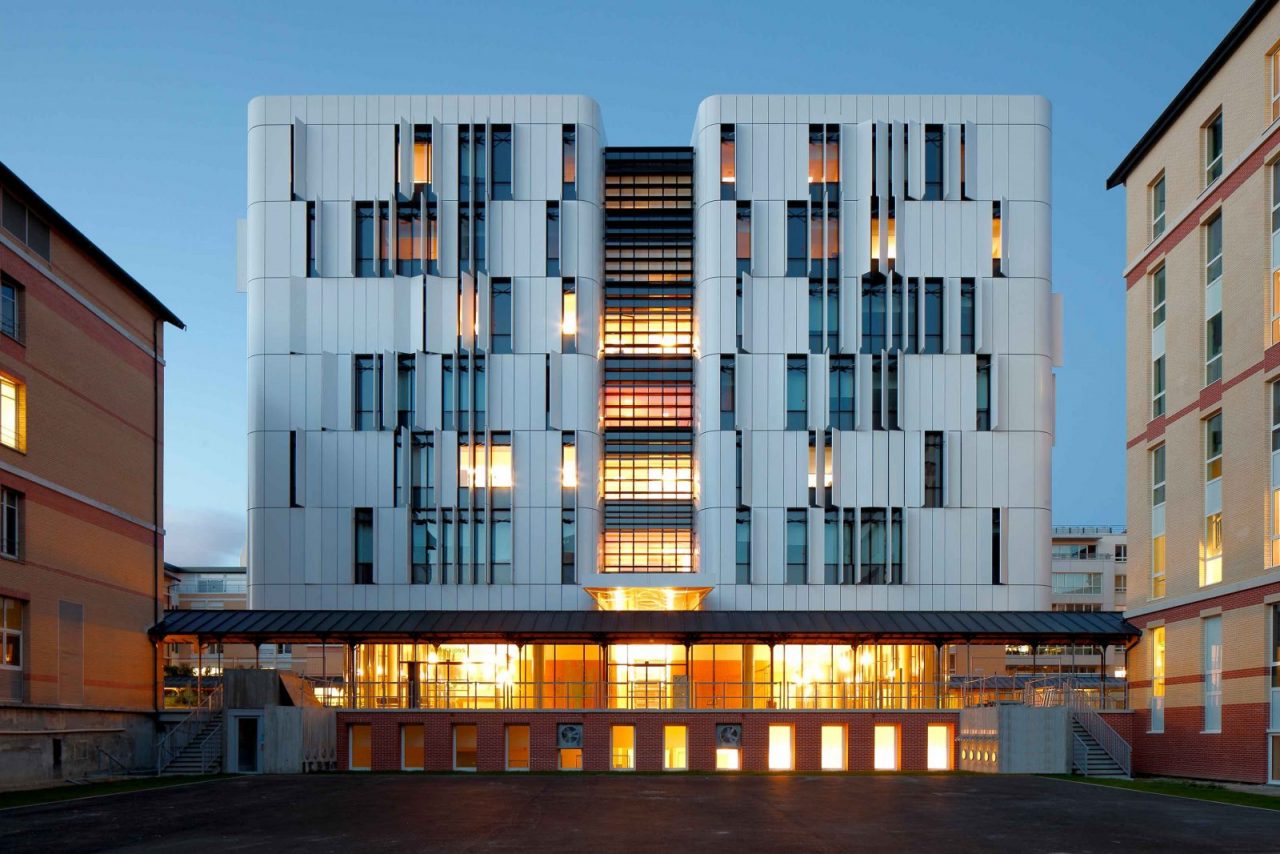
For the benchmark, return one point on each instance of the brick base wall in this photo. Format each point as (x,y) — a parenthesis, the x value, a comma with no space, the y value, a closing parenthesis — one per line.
(385,732)
(1237,754)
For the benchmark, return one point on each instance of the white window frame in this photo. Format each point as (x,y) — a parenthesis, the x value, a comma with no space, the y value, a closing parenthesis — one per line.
(1212,163)
(1211,643)
(9,632)
(1157,700)
(11,540)
(1213,298)
(1159,202)
(1211,564)
(1159,291)
(1158,488)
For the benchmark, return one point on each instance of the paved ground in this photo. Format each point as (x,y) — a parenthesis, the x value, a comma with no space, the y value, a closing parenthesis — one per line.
(639,813)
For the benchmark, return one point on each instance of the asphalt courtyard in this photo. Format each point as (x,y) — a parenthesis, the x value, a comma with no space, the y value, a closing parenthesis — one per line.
(638,813)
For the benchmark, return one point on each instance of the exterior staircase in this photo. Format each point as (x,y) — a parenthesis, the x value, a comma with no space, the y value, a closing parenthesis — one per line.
(202,754)
(1089,757)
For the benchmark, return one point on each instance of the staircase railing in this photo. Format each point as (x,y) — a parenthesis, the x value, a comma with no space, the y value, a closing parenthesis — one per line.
(173,742)
(1080,752)
(1108,739)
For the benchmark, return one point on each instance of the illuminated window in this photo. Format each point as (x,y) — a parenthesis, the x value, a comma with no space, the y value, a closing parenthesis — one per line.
(728,759)
(422,154)
(1157,679)
(675,756)
(13,414)
(742,239)
(648,477)
(359,747)
(938,754)
(1275,256)
(1273,75)
(834,751)
(648,598)
(1157,207)
(568,463)
(10,633)
(464,747)
(482,466)
(569,162)
(1275,476)
(1212,564)
(643,331)
(411,752)
(622,748)
(886,747)
(571,759)
(728,158)
(518,747)
(647,550)
(1157,522)
(569,316)
(780,744)
(1213,149)
(997,237)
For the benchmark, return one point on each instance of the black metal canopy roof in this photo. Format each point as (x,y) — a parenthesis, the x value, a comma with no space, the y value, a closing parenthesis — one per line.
(992,627)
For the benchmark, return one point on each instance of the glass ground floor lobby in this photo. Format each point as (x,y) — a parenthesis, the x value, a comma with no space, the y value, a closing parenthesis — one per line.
(659,691)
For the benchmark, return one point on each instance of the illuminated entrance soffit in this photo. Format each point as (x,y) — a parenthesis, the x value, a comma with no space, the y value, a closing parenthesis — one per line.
(648,598)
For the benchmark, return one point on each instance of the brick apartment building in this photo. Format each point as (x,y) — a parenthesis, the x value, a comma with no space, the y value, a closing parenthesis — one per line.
(81,510)
(1203,417)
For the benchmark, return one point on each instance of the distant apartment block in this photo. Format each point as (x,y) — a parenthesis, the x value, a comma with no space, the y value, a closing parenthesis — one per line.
(81,499)
(1202,191)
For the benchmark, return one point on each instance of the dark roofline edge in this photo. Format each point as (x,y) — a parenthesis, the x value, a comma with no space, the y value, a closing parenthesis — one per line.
(1241,31)
(55,219)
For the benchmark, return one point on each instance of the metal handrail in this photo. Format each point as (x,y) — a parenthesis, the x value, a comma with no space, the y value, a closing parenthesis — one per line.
(173,742)
(1080,754)
(1110,741)
(641,695)
(111,761)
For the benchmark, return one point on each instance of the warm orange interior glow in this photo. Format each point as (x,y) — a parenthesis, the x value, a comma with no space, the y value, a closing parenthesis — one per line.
(647,550)
(569,313)
(996,226)
(648,477)
(568,466)
(422,163)
(480,466)
(727,161)
(652,405)
(648,598)
(648,331)
(892,250)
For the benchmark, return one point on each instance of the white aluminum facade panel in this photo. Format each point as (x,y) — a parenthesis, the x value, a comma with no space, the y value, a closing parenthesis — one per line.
(310,468)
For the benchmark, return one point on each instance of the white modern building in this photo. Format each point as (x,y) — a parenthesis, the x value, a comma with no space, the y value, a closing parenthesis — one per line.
(787,390)
(805,364)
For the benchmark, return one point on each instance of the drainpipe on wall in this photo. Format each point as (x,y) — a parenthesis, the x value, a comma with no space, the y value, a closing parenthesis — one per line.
(157,565)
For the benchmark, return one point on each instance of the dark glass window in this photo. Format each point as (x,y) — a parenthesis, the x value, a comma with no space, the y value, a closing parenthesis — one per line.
(568,547)
(891,393)
(898,330)
(313,265)
(833,316)
(895,546)
(831,547)
(500,316)
(934,316)
(742,546)
(984,393)
(502,161)
(849,544)
(481,396)
(877,392)
(797,547)
(11,523)
(727,392)
(737,466)
(10,308)
(464,163)
(816,229)
(874,316)
(426,549)
(406,390)
(422,471)
(874,548)
(553,238)
(815,316)
(363,569)
(933,162)
(481,248)
(368,394)
(382,223)
(409,238)
(933,470)
(501,550)
(797,392)
(366,235)
(842,392)
(797,238)
(448,393)
(968,323)
(433,240)
(996,576)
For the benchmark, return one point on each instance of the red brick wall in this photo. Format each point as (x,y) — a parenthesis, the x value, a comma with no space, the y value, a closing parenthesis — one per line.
(1238,753)
(701,734)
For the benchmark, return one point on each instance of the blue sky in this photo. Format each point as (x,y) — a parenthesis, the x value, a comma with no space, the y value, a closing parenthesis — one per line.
(130,119)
